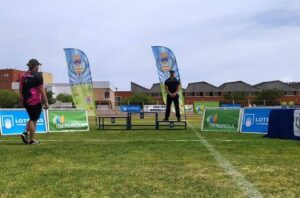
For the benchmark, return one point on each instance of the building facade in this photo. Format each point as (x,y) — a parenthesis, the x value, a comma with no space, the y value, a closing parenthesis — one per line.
(104,93)
(203,91)
(10,78)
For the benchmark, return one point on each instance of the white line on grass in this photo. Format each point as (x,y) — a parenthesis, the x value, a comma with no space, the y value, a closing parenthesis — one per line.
(247,187)
(143,140)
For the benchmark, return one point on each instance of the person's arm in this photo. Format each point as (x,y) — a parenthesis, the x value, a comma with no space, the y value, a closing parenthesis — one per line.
(177,90)
(20,91)
(44,96)
(41,89)
(166,88)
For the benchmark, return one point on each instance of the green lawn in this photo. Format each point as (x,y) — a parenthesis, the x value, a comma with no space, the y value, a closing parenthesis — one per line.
(147,163)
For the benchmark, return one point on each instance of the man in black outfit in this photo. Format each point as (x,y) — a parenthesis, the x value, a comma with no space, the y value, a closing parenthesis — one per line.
(172,86)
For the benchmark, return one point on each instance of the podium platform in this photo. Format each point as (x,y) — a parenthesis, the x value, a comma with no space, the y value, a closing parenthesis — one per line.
(172,124)
(128,122)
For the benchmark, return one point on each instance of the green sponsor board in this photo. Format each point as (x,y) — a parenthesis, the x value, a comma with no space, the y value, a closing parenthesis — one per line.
(67,120)
(83,98)
(200,106)
(221,119)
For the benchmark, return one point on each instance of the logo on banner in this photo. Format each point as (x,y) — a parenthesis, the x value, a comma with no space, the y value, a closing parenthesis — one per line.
(88,99)
(79,66)
(297,123)
(58,119)
(200,108)
(165,61)
(212,120)
(249,120)
(8,121)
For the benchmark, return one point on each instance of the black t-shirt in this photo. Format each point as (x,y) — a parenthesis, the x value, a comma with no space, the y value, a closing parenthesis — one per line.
(30,82)
(172,84)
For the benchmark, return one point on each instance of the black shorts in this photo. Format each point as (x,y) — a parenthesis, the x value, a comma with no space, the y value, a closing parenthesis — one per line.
(34,111)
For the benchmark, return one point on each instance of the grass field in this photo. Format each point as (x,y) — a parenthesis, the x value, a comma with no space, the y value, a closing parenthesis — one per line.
(149,163)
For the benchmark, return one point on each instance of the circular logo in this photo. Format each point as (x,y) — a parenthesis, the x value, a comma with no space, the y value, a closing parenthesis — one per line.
(165,62)
(77,65)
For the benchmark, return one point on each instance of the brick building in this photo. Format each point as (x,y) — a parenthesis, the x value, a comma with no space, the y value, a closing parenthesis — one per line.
(203,91)
(9,78)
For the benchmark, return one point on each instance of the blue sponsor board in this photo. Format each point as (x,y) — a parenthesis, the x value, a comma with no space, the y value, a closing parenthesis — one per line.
(255,120)
(131,108)
(232,105)
(13,122)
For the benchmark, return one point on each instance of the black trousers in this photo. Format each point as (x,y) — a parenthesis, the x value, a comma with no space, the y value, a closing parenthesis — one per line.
(176,104)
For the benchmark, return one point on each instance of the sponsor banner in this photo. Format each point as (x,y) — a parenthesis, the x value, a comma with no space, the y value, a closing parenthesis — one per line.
(81,80)
(221,119)
(154,108)
(14,121)
(130,108)
(199,106)
(188,108)
(297,123)
(255,120)
(162,108)
(67,120)
(165,61)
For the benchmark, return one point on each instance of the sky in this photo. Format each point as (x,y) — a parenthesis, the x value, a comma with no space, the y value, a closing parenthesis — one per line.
(213,41)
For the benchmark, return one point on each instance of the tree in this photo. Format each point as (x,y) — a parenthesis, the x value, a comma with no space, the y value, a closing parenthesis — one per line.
(140,99)
(236,96)
(8,99)
(50,98)
(268,96)
(62,97)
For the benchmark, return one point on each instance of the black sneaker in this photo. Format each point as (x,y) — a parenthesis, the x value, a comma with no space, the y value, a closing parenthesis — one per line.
(34,142)
(165,119)
(178,119)
(24,137)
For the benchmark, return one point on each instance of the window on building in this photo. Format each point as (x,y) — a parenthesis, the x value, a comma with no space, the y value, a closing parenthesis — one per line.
(192,93)
(107,94)
(118,98)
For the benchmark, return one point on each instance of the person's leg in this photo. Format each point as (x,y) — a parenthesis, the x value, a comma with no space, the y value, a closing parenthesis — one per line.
(176,103)
(35,115)
(25,135)
(168,109)
(32,129)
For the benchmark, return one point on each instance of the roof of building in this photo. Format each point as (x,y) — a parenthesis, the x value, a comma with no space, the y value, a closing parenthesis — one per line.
(295,85)
(155,88)
(201,87)
(135,88)
(237,86)
(276,84)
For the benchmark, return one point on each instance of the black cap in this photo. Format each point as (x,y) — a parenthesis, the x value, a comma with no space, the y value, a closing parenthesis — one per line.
(172,71)
(33,62)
